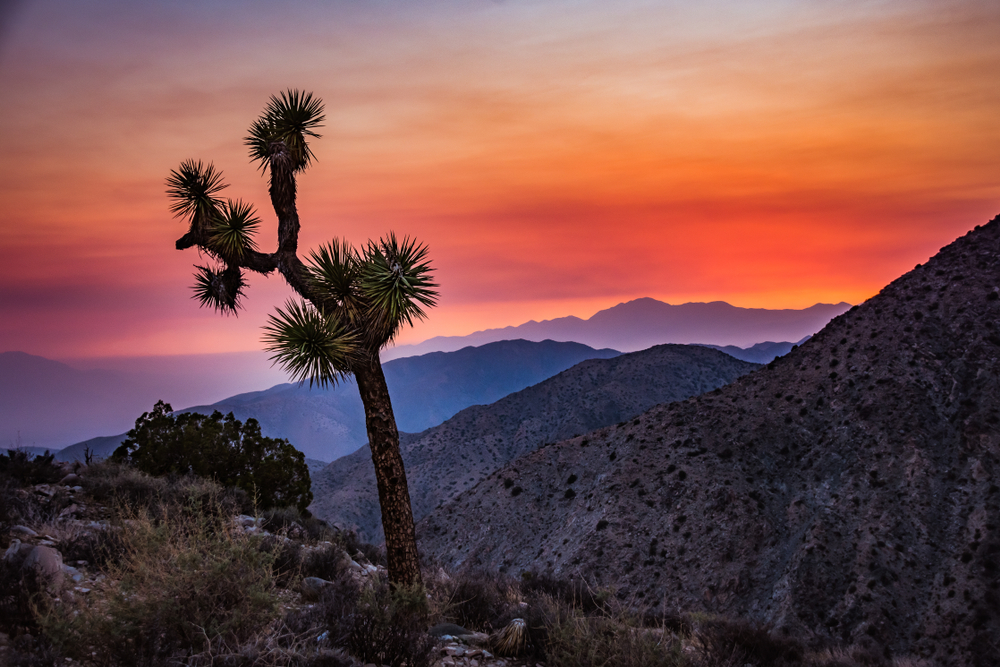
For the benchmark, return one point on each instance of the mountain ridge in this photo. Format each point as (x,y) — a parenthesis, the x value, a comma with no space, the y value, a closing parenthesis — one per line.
(847,490)
(641,323)
(443,461)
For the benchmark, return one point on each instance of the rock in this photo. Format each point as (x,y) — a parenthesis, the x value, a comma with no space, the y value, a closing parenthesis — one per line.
(17,552)
(47,565)
(70,479)
(74,574)
(312,588)
(443,629)
(23,531)
(69,511)
(475,638)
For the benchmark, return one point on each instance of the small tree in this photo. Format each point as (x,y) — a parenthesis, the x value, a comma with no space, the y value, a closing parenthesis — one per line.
(222,448)
(353,301)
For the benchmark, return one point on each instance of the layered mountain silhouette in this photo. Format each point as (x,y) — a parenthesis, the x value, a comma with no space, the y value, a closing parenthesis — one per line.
(49,404)
(329,423)
(44,403)
(850,489)
(444,461)
(642,323)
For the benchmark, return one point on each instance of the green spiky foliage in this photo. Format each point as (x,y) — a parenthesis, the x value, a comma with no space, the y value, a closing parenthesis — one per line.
(192,189)
(396,281)
(335,272)
(310,345)
(287,120)
(366,299)
(232,231)
(221,289)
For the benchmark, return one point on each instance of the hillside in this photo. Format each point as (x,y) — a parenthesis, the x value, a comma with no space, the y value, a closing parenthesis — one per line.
(642,323)
(848,490)
(446,460)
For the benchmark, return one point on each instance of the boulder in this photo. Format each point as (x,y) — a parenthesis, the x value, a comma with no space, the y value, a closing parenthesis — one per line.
(16,553)
(46,564)
(312,588)
(23,531)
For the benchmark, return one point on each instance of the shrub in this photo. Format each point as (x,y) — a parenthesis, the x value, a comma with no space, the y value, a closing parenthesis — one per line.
(575,639)
(220,448)
(375,624)
(184,582)
(28,470)
(387,627)
(122,486)
(723,641)
(480,600)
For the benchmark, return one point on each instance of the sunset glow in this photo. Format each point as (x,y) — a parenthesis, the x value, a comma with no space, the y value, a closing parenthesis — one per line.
(557,157)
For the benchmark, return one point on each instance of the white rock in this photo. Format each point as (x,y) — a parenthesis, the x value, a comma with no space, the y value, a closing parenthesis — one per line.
(23,531)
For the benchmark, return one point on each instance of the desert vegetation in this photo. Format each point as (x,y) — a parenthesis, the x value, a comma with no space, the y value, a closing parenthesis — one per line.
(352,301)
(220,448)
(178,570)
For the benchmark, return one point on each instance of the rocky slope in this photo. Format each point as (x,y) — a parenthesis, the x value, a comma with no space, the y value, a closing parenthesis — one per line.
(446,460)
(847,490)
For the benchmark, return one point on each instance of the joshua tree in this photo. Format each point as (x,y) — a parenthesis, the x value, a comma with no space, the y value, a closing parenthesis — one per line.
(352,301)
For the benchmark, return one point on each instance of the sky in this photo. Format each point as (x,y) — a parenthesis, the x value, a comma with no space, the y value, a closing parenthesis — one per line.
(556,157)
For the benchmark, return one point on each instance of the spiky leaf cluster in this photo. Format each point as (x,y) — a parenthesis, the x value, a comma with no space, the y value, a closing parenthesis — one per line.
(310,345)
(232,230)
(396,282)
(221,289)
(288,119)
(363,299)
(192,189)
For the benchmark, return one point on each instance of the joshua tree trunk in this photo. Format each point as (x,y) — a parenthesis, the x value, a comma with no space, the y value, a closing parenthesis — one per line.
(393,493)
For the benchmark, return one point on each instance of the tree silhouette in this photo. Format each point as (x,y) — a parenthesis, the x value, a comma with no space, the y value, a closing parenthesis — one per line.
(352,301)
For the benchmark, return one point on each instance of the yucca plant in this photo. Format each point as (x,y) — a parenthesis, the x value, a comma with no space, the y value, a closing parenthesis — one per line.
(351,301)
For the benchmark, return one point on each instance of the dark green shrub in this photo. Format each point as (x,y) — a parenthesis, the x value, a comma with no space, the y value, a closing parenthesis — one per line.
(387,629)
(220,448)
(326,562)
(480,600)
(744,643)
(375,624)
(28,470)
(575,593)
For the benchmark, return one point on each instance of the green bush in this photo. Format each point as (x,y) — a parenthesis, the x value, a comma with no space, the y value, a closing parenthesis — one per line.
(221,448)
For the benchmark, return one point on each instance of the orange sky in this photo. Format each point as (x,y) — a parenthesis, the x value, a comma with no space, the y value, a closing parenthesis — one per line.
(557,157)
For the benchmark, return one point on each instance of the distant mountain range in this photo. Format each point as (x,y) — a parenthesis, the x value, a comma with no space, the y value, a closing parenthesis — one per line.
(848,490)
(446,460)
(326,424)
(643,323)
(49,404)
